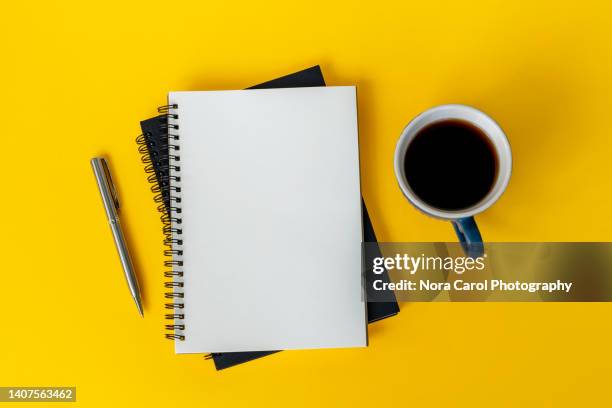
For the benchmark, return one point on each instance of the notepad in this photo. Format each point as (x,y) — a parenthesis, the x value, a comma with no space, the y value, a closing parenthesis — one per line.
(266,219)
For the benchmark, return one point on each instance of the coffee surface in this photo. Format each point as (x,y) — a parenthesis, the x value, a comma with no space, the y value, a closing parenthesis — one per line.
(451,165)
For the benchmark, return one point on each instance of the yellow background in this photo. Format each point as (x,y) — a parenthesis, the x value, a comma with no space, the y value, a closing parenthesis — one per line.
(77,76)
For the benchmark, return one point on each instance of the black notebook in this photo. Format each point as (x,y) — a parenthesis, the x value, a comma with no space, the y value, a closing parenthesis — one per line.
(154,148)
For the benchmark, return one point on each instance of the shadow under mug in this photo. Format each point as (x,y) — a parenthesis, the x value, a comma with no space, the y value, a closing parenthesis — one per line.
(463,219)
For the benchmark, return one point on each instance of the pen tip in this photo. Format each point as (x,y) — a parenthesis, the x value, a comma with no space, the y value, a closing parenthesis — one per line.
(140,311)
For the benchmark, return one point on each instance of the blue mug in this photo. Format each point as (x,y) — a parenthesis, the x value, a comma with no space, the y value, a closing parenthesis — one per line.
(462,219)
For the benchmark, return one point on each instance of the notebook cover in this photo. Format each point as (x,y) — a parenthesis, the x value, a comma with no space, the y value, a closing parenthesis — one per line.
(306,78)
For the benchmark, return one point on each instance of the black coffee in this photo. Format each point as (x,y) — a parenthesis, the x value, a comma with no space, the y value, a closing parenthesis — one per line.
(451,165)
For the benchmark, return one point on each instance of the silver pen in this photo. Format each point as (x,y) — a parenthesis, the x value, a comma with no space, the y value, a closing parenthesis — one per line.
(111,205)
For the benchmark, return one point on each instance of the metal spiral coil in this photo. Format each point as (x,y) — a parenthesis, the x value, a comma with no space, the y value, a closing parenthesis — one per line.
(162,166)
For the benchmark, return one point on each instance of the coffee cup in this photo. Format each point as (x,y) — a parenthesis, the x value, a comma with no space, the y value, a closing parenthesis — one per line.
(453,162)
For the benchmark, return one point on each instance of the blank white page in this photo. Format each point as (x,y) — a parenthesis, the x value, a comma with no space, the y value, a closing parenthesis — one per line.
(271,219)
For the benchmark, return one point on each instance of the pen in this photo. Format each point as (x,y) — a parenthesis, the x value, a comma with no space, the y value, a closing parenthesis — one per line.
(111,205)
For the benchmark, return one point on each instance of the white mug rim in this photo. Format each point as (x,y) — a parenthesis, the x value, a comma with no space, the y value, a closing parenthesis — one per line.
(477,118)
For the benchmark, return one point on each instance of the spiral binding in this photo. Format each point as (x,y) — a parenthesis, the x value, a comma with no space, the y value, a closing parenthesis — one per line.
(162,164)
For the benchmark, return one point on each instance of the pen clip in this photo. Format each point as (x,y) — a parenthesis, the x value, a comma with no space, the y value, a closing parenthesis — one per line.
(111,185)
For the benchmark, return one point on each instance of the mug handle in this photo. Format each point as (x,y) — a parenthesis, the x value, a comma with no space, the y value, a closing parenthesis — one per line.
(469,236)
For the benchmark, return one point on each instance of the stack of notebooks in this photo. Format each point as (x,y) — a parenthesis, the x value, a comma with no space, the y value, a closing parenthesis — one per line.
(263,219)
